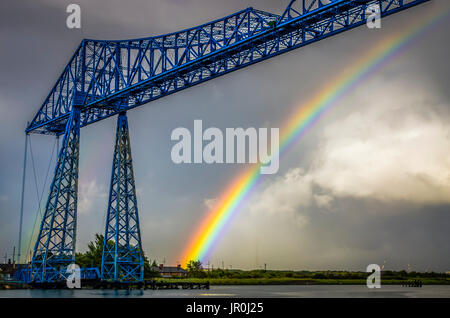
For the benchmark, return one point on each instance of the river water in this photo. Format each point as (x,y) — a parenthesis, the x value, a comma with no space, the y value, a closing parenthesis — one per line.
(299,291)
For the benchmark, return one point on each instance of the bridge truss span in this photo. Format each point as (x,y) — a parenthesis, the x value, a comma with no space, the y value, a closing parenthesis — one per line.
(108,77)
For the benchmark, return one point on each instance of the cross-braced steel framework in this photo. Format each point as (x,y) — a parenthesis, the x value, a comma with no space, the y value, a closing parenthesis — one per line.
(55,245)
(105,78)
(112,76)
(122,258)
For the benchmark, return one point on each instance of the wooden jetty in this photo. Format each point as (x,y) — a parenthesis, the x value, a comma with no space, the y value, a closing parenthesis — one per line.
(413,283)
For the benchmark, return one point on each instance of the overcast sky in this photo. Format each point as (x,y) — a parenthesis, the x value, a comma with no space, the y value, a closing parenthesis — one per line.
(370,183)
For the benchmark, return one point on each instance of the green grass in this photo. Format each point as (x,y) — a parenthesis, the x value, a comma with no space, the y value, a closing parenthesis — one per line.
(298,281)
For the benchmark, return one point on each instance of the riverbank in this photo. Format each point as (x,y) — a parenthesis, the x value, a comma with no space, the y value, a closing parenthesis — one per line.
(299,281)
(165,283)
(13,285)
(109,285)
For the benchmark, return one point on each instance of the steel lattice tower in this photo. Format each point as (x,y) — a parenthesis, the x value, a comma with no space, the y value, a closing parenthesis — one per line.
(55,245)
(122,258)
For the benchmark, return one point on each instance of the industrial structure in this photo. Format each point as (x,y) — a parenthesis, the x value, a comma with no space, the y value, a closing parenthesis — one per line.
(108,78)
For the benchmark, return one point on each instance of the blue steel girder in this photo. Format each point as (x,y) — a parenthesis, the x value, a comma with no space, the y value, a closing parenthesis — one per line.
(122,257)
(107,77)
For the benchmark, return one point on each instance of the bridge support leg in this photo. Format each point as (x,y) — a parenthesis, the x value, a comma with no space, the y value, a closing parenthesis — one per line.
(122,258)
(55,245)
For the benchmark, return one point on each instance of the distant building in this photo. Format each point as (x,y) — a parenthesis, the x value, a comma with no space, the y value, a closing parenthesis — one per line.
(8,268)
(170,271)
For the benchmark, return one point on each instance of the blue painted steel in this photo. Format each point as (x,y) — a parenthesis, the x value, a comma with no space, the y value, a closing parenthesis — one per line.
(55,245)
(111,76)
(23,275)
(122,258)
(90,273)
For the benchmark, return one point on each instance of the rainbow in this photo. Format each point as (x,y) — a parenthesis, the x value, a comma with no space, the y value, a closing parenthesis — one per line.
(207,234)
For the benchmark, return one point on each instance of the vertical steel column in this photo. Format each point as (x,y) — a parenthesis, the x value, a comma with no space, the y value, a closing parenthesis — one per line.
(55,245)
(122,258)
